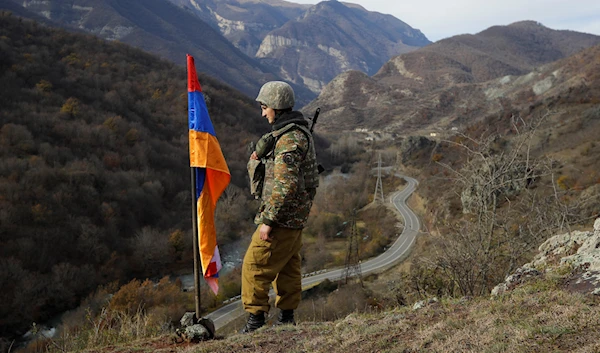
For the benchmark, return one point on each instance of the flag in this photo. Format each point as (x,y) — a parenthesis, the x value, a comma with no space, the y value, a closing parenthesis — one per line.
(212,176)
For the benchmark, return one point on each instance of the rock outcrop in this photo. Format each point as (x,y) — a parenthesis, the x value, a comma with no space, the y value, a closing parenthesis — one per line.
(413,147)
(579,251)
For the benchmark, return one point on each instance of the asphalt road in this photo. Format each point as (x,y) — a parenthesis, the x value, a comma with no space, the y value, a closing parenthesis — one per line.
(396,253)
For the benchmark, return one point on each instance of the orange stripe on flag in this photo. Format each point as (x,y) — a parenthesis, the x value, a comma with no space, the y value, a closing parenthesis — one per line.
(205,152)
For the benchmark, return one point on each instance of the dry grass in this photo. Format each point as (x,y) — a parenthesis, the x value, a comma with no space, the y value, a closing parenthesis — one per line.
(538,317)
(138,310)
(525,321)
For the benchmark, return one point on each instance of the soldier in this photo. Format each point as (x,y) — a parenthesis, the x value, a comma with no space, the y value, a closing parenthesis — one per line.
(289,186)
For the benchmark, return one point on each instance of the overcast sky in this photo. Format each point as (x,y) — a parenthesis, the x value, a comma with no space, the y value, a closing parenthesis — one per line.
(439,19)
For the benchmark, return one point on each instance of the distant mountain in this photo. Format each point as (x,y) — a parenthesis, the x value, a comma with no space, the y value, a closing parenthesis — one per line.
(309,45)
(159,27)
(500,50)
(244,23)
(331,38)
(18,10)
(442,82)
(244,43)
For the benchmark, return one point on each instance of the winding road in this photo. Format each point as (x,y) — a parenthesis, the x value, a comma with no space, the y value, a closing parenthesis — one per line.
(396,253)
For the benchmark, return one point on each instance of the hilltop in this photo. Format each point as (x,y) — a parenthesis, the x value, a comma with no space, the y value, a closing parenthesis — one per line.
(331,38)
(94,163)
(543,311)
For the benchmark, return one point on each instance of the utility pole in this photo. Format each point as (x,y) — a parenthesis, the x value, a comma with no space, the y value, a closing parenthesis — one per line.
(352,266)
(378,185)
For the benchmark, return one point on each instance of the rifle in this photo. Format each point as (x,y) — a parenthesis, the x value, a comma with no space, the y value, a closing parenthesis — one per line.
(314,120)
(312,127)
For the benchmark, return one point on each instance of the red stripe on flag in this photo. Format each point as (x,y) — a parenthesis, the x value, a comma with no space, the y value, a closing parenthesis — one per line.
(193,83)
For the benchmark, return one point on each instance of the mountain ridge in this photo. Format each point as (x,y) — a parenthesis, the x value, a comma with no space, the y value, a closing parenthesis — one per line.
(309,44)
(245,43)
(166,30)
(343,37)
(412,90)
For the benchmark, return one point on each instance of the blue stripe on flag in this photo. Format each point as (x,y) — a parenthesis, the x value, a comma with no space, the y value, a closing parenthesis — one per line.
(198,117)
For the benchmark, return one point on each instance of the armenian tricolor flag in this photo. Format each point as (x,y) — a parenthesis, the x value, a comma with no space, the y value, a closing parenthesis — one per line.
(212,176)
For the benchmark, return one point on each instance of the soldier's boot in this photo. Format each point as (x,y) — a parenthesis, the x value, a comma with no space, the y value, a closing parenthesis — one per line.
(254,322)
(285,317)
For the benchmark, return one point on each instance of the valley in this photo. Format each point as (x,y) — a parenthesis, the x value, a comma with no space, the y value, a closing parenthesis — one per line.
(499,127)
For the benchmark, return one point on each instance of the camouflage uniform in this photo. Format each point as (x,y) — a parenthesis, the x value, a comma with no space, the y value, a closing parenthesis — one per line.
(291,179)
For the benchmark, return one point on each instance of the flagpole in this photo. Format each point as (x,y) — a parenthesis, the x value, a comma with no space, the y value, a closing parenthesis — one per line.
(197,270)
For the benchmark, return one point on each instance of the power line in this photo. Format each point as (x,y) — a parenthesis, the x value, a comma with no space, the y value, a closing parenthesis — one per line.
(378,186)
(352,265)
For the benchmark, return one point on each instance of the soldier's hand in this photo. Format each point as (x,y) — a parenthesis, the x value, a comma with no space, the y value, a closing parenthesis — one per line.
(254,156)
(265,232)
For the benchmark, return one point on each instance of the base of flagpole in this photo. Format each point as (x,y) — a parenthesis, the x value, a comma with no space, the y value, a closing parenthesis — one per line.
(195,330)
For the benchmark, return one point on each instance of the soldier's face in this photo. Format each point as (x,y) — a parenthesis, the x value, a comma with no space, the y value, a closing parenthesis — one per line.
(268,113)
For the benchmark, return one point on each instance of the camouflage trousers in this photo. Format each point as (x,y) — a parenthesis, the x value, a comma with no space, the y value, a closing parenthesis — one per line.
(276,262)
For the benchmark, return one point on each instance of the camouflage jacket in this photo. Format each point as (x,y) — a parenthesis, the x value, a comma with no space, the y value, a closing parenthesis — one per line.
(291,175)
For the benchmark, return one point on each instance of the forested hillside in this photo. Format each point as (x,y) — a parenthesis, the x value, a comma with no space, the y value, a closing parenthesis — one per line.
(94,177)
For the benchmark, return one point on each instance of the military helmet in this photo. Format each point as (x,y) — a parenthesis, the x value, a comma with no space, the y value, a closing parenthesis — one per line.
(276,95)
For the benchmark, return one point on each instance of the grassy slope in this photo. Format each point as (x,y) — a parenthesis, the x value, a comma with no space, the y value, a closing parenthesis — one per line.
(538,317)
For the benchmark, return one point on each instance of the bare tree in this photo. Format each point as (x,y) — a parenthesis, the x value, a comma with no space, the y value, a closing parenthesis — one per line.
(510,206)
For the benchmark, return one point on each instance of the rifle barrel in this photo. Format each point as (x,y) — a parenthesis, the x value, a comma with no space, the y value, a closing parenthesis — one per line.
(314,119)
